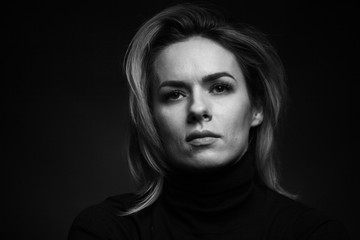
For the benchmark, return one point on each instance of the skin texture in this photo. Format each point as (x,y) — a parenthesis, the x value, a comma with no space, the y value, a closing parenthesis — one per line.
(200,87)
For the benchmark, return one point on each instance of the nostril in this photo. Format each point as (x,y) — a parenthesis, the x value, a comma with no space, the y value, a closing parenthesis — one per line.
(199,108)
(194,117)
(206,117)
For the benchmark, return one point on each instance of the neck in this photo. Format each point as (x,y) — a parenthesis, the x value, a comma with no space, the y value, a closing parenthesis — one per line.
(200,195)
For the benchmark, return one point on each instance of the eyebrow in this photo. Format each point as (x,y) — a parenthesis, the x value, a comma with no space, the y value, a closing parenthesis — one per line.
(207,78)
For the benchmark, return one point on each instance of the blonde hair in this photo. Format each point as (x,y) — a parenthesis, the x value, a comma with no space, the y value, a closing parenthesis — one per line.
(258,60)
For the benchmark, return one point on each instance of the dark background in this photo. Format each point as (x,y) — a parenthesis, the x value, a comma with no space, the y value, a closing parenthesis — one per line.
(64,102)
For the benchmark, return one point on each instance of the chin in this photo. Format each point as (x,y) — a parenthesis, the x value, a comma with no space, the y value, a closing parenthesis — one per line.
(209,164)
(207,161)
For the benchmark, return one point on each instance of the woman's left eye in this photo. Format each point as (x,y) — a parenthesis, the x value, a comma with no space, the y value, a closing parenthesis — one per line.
(220,88)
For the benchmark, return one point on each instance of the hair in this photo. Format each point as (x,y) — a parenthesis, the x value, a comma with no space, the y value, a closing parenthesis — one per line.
(264,76)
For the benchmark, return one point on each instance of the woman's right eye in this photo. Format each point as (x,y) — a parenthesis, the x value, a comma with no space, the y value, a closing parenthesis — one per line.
(173,95)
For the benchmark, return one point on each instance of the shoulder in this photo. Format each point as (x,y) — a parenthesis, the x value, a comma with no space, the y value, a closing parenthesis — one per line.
(104,220)
(296,220)
(314,224)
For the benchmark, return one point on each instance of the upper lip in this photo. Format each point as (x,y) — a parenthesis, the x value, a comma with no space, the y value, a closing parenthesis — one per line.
(200,134)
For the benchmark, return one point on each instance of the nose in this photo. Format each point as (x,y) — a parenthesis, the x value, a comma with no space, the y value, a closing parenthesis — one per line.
(199,108)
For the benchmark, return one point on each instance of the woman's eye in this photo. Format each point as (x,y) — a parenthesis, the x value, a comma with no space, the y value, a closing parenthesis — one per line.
(220,88)
(174,95)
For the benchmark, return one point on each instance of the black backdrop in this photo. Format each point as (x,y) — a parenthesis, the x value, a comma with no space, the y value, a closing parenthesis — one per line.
(64,102)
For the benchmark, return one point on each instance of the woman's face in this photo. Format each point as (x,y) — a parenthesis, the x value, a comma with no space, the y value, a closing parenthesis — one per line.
(201,105)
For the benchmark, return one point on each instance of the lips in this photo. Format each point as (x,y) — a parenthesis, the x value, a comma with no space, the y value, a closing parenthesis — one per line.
(202,137)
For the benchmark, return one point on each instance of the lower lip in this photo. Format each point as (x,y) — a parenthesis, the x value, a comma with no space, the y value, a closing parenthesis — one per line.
(202,141)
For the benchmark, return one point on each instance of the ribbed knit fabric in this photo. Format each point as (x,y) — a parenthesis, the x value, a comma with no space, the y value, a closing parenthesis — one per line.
(209,202)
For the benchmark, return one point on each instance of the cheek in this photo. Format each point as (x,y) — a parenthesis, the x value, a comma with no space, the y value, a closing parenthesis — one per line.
(236,120)
(169,123)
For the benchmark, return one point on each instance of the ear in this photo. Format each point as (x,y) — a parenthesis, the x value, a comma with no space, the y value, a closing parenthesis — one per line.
(257,117)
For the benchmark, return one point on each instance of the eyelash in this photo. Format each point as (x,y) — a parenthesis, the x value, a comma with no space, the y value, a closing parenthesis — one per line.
(226,87)
(169,96)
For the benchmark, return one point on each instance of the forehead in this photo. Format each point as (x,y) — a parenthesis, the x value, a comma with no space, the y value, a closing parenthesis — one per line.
(194,58)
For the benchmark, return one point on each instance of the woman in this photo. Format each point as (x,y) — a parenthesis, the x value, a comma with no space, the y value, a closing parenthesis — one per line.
(205,100)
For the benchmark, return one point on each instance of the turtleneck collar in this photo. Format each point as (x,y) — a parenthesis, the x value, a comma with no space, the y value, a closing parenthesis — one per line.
(195,199)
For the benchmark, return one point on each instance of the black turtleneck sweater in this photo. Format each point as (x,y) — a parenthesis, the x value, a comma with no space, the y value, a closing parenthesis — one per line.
(226,203)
